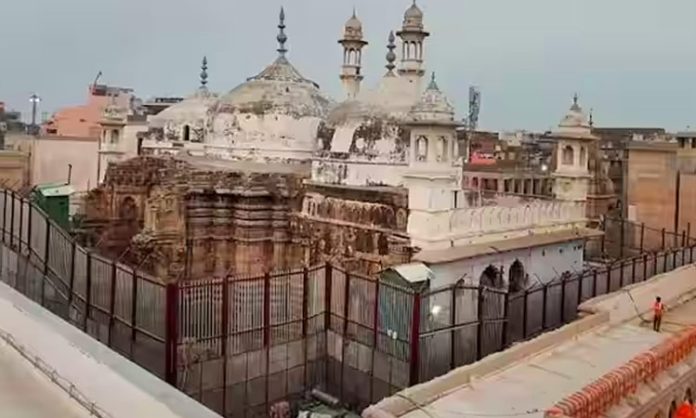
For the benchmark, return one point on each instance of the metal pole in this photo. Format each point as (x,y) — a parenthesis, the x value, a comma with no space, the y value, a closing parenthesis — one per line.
(344,332)
(12,216)
(327,313)
(171,334)
(88,292)
(225,330)
(506,310)
(415,340)
(544,298)
(134,311)
(663,239)
(642,236)
(525,300)
(453,322)
(71,279)
(375,335)
(267,329)
(21,223)
(564,283)
(621,237)
(112,304)
(29,228)
(46,257)
(481,322)
(4,216)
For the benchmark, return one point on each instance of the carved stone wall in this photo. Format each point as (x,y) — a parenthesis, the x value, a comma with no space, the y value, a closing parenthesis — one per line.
(361,229)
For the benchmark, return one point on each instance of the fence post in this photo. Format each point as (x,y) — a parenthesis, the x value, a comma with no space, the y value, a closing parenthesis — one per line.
(525,300)
(642,236)
(506,310)
(21,223)
(609,268)
(415,339)
(645,267)
(29,228)
(594,283)
(171,333)
(344,331)
(327,312)
(621,274)
(71,279)
(655,264)
(453,323)
(134,313)
(564,283)
(581,285)
(683,251)
(664,262)
(663,239)
(112,303)
(46,257)
(88,291)
(633,271)
(621,238)
(375,335)
(4,217)
(225,329)
(480,316)
(544,299)
(305,319)
(12,215)
(267,328)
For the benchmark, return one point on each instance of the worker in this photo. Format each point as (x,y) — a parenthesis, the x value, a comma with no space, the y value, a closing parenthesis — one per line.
(685,410)
(658,310)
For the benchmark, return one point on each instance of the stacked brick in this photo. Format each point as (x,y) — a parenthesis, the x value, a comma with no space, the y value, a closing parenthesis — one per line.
(599,396)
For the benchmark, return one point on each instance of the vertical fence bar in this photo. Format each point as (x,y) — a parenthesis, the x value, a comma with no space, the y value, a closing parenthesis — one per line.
(267,329)
(544,298)
(415,340)
(171,333)
(134,313)
(46,256)
(564,283)
(506,310)
(346,315)
(453,322)
(4,217)
(305,320)
(594,283)
(645,267)
(480,317)
(29,227)
(621,238)
(642,236)
(663,239)
(21,224)
(112,304)
(525,300)
(88,292)
(375,341)
(327,313)
(225,328)
(581,285)
(12,216)
(71,282)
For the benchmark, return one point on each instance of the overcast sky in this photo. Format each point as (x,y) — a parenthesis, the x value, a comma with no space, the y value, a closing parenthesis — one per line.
(633,61)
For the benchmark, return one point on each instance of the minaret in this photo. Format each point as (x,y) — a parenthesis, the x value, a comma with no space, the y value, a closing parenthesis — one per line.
(352,43)
(413,36)
(204,74)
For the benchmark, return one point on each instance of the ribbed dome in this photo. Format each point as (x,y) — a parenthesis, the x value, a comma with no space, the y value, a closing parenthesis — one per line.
(433,106)
(194,109)
(575,118)
(279,88)
(413,17)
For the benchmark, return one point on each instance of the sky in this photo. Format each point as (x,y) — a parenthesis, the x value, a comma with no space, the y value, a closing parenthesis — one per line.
(632,61)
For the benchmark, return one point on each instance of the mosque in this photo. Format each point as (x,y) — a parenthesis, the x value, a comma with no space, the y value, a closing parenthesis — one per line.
(277,175)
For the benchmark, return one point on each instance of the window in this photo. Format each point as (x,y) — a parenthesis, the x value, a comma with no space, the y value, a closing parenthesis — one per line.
(567,155)
(422,149)
(442,154)
(187,133)
(583,157)
(114,136)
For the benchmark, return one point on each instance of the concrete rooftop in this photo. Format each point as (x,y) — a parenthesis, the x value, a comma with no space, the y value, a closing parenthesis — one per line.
(532,377)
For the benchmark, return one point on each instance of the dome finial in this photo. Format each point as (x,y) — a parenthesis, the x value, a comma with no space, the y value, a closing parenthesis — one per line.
(355,16)
(433,84)
(391,56)
(282,37)
(204,72)
(575,99)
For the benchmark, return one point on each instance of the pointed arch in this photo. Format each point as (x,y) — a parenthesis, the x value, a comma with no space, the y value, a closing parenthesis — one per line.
(567,155)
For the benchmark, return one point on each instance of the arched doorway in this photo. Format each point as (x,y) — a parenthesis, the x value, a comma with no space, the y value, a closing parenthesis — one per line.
(128,210)
(187,133)
(490,277)
(517,277)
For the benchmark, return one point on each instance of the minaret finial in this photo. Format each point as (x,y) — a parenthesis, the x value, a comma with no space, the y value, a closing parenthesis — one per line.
(391,56)
(591,118)
(354,14)
(204,72)
(282,37)
(575,99)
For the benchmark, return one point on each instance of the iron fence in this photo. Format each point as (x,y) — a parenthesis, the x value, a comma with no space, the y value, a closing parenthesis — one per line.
(240,344)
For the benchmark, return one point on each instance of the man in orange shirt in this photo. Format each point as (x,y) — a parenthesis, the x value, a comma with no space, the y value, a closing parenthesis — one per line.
(658,310)
(685,410)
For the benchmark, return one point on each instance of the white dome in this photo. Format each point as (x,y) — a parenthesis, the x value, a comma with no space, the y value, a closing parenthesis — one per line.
(279,88)
(192,110)
(433,106)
